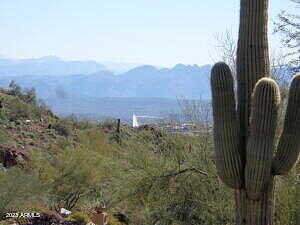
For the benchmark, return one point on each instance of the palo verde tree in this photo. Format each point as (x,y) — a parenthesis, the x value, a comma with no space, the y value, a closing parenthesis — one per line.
(245,135)
(289,26)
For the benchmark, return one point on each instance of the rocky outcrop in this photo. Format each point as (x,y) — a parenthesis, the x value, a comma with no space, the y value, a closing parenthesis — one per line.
(11,156)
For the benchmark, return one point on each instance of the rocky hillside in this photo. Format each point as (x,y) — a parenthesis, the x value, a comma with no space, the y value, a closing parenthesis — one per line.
(26,125)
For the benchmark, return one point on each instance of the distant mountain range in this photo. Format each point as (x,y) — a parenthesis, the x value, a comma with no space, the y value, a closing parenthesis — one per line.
(85,83)
(118,68)
(52,65)
(48,65)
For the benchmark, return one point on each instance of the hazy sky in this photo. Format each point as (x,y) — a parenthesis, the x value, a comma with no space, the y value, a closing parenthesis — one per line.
(159,32)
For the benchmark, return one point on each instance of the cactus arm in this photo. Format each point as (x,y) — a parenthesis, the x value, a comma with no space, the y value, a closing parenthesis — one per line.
(289,144)
(252,58)
(228,161)
(263,123)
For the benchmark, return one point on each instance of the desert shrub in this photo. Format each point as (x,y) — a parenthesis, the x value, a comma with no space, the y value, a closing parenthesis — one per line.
(2,112)
(174,182)
(3,116)
(113,221)
(18,190)
(63,127)
(26,99)
(95,141)
(41,109)
(15,89)
(287,200)
(72,175)
(27,95)
(83,125)
(108,125)
(79,217)
(3,137)
(80,124)
(19,110)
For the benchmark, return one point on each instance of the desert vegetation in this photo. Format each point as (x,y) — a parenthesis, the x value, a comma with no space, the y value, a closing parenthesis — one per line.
(144,176)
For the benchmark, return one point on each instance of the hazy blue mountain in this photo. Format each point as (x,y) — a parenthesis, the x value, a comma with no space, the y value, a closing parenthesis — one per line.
(189,81)
(118,68)
(181,81)
(48,65)
(94,92)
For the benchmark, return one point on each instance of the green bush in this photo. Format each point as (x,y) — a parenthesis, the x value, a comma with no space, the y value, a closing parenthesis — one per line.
(79,217)
(63,127)
(83,125)
(3,137)
(287,199)
(27,95)
(41,109)
(18,190)
(73,174)
(113,221)
(25,103)
(19,110)
(170,182)
(108,124)
(80,124)
(15,89)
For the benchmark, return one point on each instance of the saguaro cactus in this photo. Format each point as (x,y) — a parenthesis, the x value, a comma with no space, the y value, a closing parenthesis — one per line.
(245,135)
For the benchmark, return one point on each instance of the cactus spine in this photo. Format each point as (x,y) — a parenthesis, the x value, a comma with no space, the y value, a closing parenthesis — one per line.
(245,135)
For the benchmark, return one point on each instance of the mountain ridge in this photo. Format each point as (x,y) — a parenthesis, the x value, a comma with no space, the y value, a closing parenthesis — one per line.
(47,65)
(145,81)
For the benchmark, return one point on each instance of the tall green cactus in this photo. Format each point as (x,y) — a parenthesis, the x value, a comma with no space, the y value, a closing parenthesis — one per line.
(245,134)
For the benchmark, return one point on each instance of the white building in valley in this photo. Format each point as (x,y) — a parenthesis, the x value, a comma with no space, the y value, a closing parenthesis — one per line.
(136,120)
